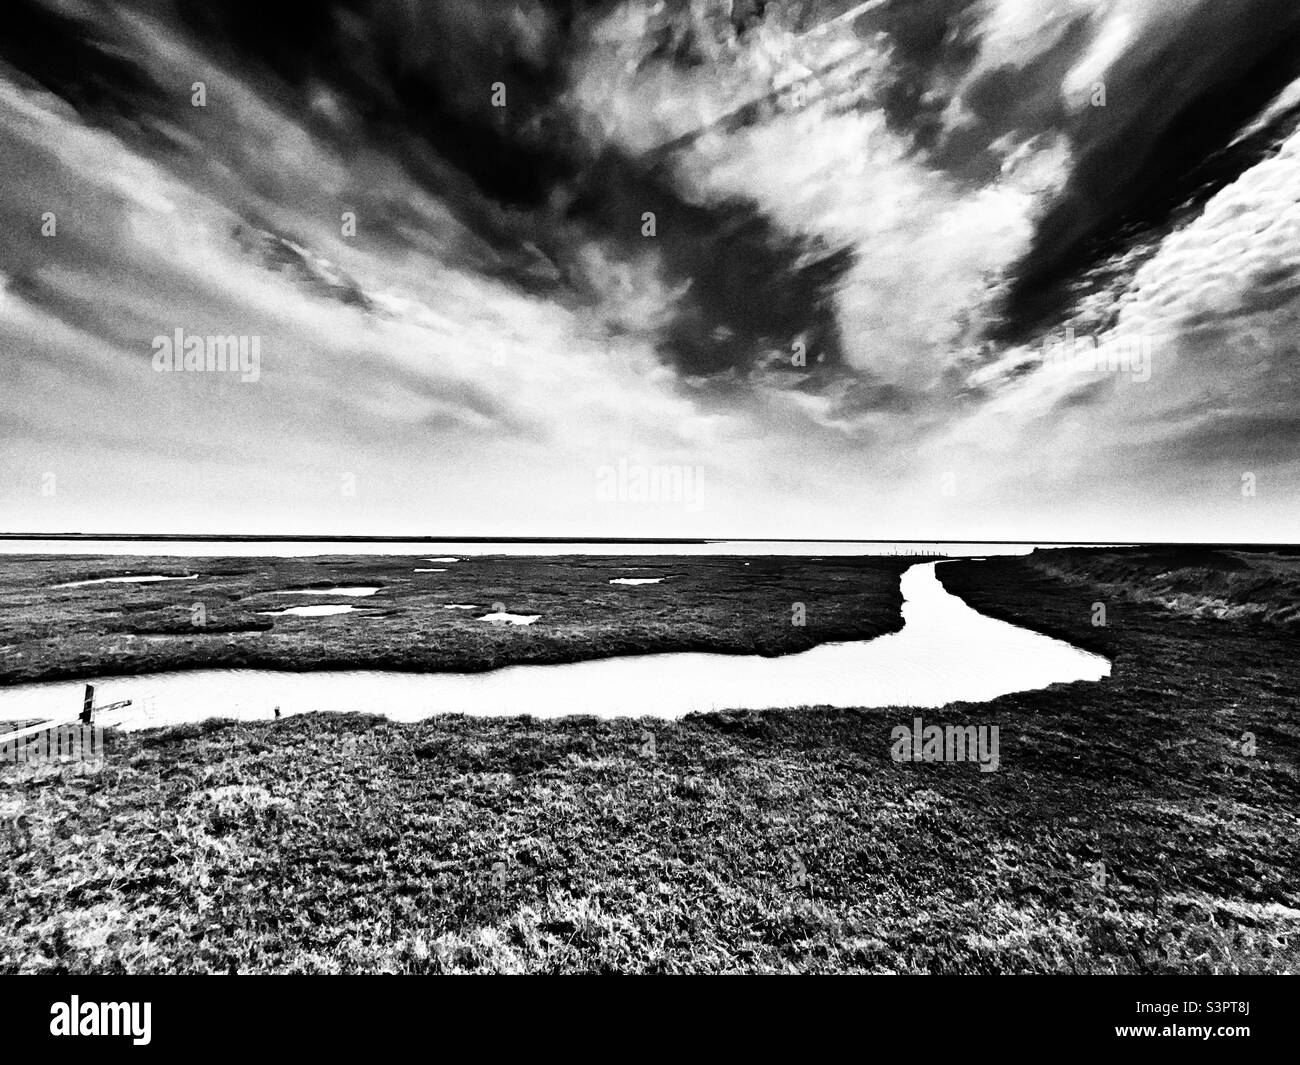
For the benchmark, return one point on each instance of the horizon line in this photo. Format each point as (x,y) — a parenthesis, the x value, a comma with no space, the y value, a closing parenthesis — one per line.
(387,539)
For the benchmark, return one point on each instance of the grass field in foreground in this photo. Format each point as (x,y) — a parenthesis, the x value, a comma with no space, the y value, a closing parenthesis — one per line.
(1130,828)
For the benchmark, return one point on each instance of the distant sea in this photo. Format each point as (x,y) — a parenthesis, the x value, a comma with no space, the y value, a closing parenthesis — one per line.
(297,548)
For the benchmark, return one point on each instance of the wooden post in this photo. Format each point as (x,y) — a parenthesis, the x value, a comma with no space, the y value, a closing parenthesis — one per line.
(88,707)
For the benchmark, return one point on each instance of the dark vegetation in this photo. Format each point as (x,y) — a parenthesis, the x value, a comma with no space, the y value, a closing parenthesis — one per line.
(728,605)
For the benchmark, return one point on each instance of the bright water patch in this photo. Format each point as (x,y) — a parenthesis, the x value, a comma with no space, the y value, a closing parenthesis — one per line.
(322,611)
(150,579)
(352,591)
(502,617)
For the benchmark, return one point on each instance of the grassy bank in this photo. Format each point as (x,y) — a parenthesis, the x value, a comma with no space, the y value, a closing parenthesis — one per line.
(220,618)
(1131,827)
(1197,582)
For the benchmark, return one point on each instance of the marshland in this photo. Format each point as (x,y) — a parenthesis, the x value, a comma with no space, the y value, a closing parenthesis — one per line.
(1145,821)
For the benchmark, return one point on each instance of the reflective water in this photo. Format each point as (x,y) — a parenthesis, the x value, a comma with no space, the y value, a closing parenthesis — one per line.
(150,579)
(349,591)
(322,611)
(946,652)
(302,548)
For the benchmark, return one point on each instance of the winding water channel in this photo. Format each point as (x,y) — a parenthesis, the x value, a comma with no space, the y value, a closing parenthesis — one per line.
(945,652)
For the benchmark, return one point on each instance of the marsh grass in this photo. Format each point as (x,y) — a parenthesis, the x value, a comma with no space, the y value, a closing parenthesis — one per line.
(725,605)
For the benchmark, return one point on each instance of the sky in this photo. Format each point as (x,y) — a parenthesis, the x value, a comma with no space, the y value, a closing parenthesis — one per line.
(934,269)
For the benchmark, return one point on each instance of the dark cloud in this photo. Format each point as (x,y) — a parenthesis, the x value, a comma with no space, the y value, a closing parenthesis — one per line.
(1165,143)
(1161,145)
(932,43)
(78,59)
(1023,100)
(1089,395)
(751,288)
(414,82)
(1237,441)
(289,258)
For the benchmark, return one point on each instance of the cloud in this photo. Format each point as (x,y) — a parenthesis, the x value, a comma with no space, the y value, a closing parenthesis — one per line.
(1182,78)
(866,217)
